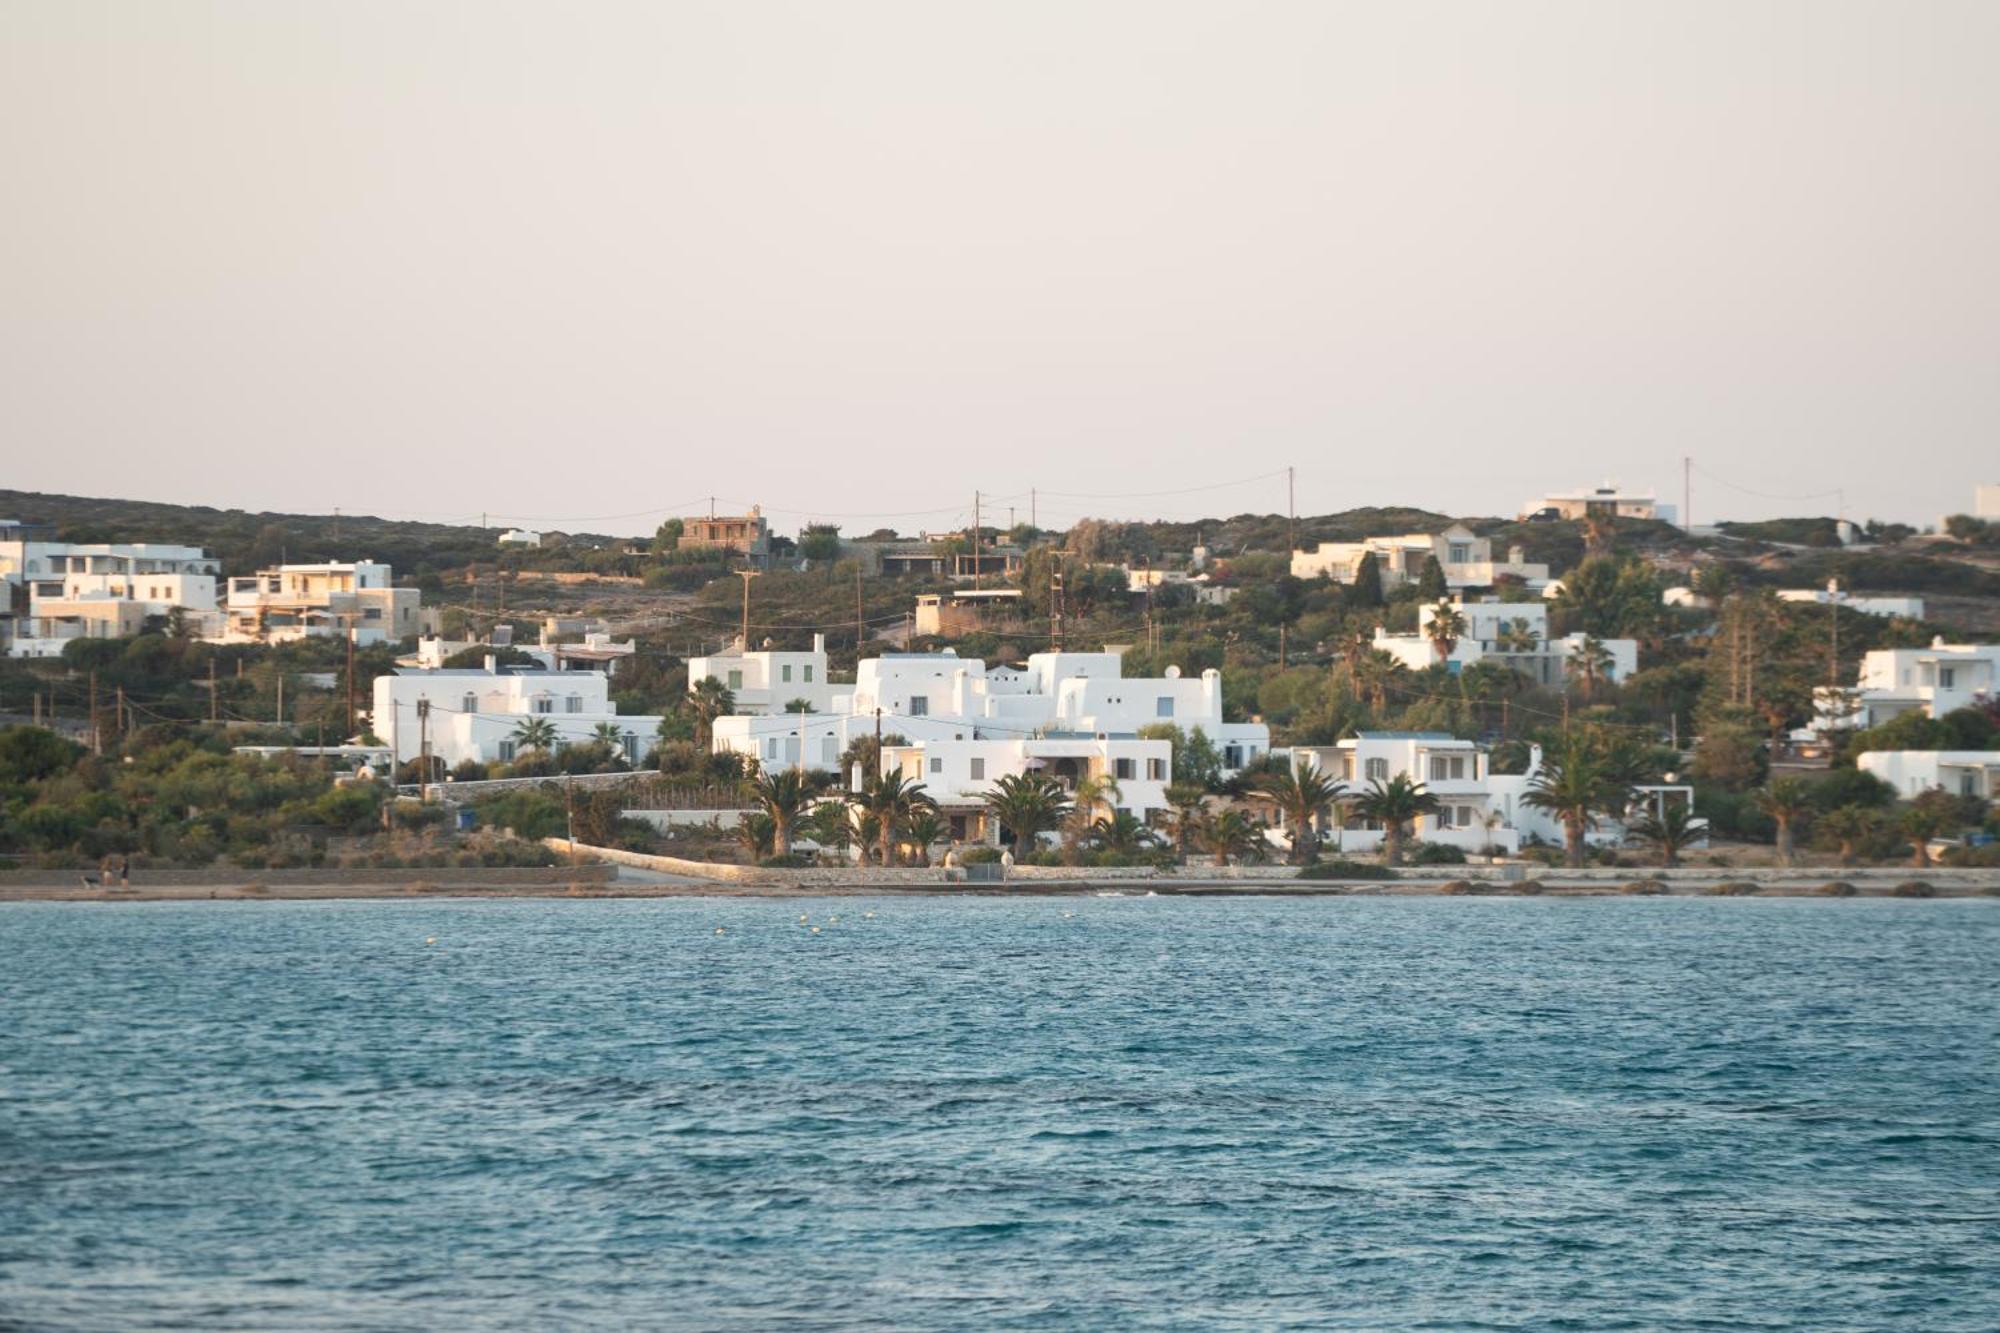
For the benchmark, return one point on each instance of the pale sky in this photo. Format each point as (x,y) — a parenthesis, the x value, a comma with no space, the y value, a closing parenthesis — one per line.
(583,264)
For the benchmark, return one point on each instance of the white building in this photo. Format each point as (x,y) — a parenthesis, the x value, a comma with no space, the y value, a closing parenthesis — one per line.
(288,602)
(1206,592)
(1132,774)
(1514,634)
(1914,772)
(1909,607)
(1607,501)
(1935,680)
(1075,714)
(98,590)
(1479,809)
(765,681)
(1986,501)
(476,712)
(1467,560)
(519,537)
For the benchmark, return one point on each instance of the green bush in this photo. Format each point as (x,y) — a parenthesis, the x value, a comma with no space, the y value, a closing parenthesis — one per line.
(1644,888)
(1347,870)
(1436,854)
(1838,888)
(1914,888)
(979,856)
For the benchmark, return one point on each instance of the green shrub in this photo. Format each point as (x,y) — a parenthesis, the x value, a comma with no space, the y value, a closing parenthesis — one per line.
(979,856)
(1914,888)
(1347,870)
(1644,888)
(1838,888)
(1436,854)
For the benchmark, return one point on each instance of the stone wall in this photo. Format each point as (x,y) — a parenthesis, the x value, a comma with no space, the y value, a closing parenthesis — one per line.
(444,876)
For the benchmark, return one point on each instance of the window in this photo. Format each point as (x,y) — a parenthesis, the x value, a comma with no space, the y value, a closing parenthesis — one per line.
(469,704)
(809,675)
(1232,756)
(1444,816)
(979,770)
(1163,706)
(544,704)
(1156,770)
(506,752)
(920,706)
(1460,554)
(573,704)
(630,742)
(937,765)
(735,681)
(1123,769)
(372,613)
(1447,768)
(785,673)
(1947,677)
(1378,770)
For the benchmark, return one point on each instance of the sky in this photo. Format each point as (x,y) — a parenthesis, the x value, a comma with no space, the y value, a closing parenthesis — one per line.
(587,265)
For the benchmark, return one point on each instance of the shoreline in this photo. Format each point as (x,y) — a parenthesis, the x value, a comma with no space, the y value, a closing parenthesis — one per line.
(251,891)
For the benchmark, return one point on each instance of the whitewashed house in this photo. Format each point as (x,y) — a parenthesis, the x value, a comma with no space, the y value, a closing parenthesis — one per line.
(1914,772)
(1892,681)
(1606,501)
(519,537)
(1466,559)
(99,590)
(476,712)
(763,682)
(1909,607)
(334,600)
(1514,634)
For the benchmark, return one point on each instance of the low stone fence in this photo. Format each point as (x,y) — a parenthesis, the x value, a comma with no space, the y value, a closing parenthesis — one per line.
(219,876)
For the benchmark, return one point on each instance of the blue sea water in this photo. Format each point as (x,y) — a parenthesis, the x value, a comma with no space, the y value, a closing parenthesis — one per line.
(1001,1113)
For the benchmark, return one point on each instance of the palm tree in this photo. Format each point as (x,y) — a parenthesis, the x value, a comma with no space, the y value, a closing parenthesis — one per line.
(1590,664)
(1517,636)
(1121,832)
(1446,628)
(830,824)
(1027,805)
(1299,796)
(1920,823)
(757,832)
(707,699)
(926,829)
(1185,800)
(1788,802)
(607,737)
(1375,673)
(1599,531)
(1090,793)
(784,795)
(1847,826)
(1577,782)
(1671,829)
(535,733)
(894,800)
(1394,804)
(1227,835)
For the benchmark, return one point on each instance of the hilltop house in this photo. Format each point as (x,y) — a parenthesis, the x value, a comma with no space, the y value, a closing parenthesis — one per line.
(288,602)
(98,590)
(1514,634)
(1605,501)
(1935,680)
(1467,560)
(476,712)
(765,681)
(747,535)
(1910,607)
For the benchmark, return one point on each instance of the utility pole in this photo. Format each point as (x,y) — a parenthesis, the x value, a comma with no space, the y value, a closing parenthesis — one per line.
(1833,638)
(975,541)
(1687,493)
(96,743)
(860,620)
(211,688)
(1281,645)
(121,712)
(350,680)
(1033,521)
(336,525)
(1055,603)
(746,575)
(424,750)
(1291,518)
(281,699)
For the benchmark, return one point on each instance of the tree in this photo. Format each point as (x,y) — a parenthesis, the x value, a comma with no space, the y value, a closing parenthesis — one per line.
(1090,793)
(1847,826)
(1517,635)
(706,700)
(830,824)
(925,830)
(1578,781)
(893,800)
(1395,804)
(1299,796)
(1589,664)
(1376,674)
(1120,832)
(1027,805)
(1446,628)
(1229,835)
(1788,802)
(1367,589)
(1919,824)
(865,753)
(535,733)
(668,536)
(758,834)
(819,542)
(1431,586)
(608,737)
(1671,829)
(1185,803)
(784,795)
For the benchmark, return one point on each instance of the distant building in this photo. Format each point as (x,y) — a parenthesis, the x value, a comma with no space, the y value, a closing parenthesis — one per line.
(1513,634)
(747,535)
(287,602)
(1466,559)
(520,537)
(1205,592)
(1602,502)
(964,610)
(59,591)
(1909,607)
(765,681)
(1914,772)
(1935,680)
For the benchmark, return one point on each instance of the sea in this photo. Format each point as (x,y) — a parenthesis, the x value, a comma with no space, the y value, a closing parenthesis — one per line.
(1001,1113)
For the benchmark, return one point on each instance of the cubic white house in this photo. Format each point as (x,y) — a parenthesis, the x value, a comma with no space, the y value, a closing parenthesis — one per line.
(1914,772)
(766,680)
(1514,634)
(98,590)
(287,602)
(476,713)
(1935,680)
(1606,501)
(1910,607)
(1467,560)
(964,725)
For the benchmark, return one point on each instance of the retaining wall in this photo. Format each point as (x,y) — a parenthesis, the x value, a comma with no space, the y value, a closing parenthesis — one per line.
(455,876)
